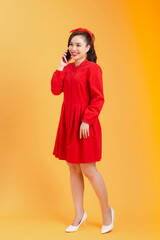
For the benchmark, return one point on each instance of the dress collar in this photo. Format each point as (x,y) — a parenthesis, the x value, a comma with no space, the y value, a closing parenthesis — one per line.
(81,64)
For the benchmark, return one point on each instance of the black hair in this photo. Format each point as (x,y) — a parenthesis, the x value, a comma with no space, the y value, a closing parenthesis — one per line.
(91,54)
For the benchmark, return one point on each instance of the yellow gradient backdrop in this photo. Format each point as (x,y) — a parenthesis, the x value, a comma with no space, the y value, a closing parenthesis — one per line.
(34,185)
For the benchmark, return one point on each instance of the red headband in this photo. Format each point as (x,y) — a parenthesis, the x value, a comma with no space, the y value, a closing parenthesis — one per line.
(84,30)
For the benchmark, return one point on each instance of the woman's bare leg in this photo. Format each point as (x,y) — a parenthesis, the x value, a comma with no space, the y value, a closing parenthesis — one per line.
(97,182)
(77,188)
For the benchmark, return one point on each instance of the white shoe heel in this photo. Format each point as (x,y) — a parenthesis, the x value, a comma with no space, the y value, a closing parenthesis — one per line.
(108,227)
(72,228)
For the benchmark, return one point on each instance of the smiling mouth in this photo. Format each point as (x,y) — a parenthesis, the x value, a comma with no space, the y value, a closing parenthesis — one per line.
(74,54)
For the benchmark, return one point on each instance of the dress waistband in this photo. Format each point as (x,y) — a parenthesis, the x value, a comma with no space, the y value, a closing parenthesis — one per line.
(71,103)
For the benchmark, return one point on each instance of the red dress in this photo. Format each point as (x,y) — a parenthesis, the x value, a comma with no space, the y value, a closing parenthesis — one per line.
(83,99)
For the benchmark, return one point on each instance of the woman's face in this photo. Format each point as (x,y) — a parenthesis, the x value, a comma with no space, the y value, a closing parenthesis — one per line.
(78,48)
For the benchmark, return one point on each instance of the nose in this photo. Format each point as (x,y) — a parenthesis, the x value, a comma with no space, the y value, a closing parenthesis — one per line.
(74,48)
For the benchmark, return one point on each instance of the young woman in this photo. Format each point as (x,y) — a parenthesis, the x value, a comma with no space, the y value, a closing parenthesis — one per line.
(79,136)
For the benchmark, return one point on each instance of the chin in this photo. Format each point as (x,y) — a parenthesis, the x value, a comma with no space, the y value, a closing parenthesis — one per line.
(78,57)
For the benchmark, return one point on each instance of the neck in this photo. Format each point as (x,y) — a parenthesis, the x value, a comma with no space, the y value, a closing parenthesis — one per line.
(79,61)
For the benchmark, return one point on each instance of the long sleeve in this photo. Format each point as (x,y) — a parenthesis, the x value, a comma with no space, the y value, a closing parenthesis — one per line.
(57,82)
(92,111)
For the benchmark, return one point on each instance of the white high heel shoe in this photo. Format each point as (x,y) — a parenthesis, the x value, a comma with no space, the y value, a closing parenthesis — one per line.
(108,227)
(72,228)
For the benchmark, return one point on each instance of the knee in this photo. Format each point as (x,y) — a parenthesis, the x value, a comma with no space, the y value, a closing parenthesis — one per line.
(88,171)
(74,168)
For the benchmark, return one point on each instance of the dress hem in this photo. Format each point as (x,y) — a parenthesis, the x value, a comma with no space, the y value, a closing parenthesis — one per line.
(59,158)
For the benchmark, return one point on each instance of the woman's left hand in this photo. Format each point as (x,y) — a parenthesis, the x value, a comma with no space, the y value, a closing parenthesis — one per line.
(84,130)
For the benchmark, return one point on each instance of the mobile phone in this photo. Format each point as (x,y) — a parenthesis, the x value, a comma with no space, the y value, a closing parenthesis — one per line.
(67,57)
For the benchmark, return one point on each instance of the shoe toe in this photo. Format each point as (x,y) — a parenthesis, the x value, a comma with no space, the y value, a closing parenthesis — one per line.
(71,228)
(106,229)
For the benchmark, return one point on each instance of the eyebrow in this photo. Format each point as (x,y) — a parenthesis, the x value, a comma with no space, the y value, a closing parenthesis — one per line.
(77,43)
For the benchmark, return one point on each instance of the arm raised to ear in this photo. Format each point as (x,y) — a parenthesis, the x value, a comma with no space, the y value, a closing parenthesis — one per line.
(57,81)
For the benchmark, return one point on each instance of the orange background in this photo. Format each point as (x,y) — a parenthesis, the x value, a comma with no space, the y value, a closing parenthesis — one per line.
(35,194)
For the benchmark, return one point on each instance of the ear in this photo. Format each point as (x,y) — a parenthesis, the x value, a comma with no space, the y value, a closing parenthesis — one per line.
(88,47)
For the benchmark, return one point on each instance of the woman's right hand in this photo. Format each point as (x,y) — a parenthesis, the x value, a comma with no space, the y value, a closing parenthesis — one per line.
(62,64)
